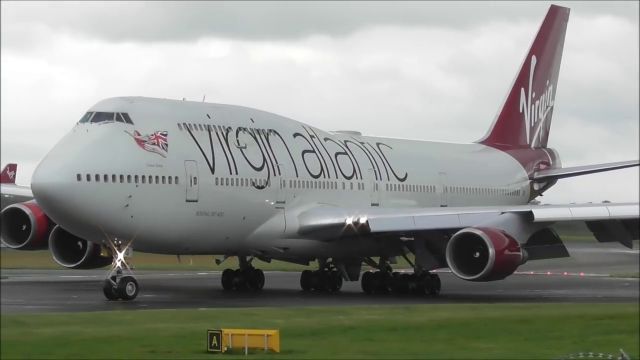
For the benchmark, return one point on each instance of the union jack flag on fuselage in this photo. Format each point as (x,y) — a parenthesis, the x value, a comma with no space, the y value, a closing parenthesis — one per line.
(156,142)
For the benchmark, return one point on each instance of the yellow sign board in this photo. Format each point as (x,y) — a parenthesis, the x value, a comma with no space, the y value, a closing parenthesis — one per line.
(222,340)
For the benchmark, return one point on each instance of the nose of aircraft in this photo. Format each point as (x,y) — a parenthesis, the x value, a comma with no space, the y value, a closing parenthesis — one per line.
(51,185)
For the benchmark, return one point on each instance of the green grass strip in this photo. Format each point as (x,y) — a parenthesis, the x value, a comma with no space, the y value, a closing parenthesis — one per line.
(508,331)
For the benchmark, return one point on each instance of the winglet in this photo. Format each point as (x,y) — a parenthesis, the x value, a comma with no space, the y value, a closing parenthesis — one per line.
(9,174)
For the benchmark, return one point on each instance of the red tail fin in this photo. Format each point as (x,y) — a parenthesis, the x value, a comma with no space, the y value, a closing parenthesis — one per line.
(9,174)
(525,118)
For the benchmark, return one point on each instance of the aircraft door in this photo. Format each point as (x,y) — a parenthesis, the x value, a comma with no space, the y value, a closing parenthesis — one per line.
(444,191)
(280,186)
(191,183)
(375,188)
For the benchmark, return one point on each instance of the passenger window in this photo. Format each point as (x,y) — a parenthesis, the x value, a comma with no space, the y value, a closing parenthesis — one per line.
(127,119)
(119,118)
(150,179)
(88,178)
(216,181)
(78,177)
(102,117)
(144,179)
(157,179)
(176,180)
(170,179)
(135,179)
(226,181)
(106,178)
(113,178)
(129,179)
(97,178)
(121,178)
(85,118)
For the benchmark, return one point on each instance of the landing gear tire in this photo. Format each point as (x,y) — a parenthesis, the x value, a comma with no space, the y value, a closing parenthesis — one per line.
(128,288)
(434,290)
(321,281)
(227,279)
(382,282)
(334,281)
(306,281)
(255,279)
(367,282)
(109,290)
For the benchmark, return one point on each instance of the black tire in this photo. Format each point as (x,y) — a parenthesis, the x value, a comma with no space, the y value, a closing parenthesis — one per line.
(239,280)
(436,285)
(423,284)
(306,280)
(227,279)
(381,281)
(109,290)
(256,279)
(335,281)
(367,282)
(128,288)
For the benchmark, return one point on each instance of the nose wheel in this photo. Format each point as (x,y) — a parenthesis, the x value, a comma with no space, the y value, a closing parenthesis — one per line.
(120,283)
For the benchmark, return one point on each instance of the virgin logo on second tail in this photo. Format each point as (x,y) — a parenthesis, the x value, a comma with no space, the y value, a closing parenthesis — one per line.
(535,110)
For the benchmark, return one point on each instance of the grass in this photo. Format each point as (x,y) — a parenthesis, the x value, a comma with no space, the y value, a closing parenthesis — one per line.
(513,331)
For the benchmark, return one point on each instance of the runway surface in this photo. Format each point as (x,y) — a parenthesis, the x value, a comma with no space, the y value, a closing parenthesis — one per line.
(582,278)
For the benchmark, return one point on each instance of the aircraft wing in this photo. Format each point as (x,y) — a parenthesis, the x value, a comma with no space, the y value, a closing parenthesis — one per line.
(607,221)
(11,194)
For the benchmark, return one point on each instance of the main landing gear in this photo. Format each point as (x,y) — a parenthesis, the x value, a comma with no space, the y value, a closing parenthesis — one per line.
(386,281)
(327,279)
(245,278)
(120,283)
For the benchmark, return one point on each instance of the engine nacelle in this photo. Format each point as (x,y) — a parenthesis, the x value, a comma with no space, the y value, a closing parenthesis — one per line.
(25,226)
(484,254)
(73,252)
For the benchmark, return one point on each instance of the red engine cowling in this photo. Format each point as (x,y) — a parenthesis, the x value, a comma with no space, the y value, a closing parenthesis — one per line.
(484,254)
(73,252)
(25,226)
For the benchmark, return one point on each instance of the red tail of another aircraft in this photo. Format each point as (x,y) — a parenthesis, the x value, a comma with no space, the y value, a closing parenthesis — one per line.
(525,118)
(9,174)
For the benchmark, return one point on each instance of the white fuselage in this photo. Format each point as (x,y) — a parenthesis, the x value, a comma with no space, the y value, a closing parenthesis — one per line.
(222,156)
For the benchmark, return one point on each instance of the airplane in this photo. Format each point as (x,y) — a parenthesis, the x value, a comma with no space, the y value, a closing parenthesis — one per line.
(12,193)
(180,177)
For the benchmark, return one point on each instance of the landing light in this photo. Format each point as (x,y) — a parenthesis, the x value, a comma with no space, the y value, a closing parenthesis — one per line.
(362,220)
(349,220)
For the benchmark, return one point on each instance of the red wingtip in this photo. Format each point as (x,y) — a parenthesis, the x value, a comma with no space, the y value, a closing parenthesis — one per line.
(9,174)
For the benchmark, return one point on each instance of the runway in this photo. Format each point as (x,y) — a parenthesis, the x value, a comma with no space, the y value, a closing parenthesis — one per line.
(582,278)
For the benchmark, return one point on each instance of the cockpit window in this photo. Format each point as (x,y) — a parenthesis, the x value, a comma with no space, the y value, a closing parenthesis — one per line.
(127,119)
(86,117)
(119,118)
(102,117)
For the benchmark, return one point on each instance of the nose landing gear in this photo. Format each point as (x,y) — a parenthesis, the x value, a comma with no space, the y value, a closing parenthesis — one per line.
(120,282)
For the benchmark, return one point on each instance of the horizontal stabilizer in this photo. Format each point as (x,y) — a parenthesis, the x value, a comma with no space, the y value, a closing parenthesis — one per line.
(553,174)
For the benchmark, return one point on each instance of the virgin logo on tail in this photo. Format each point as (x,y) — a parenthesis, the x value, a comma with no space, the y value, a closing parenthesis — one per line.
(11,174)
(535,110)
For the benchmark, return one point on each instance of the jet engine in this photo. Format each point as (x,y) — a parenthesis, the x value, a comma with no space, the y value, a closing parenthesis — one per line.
(484,254)
(25,226)
(73,252)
